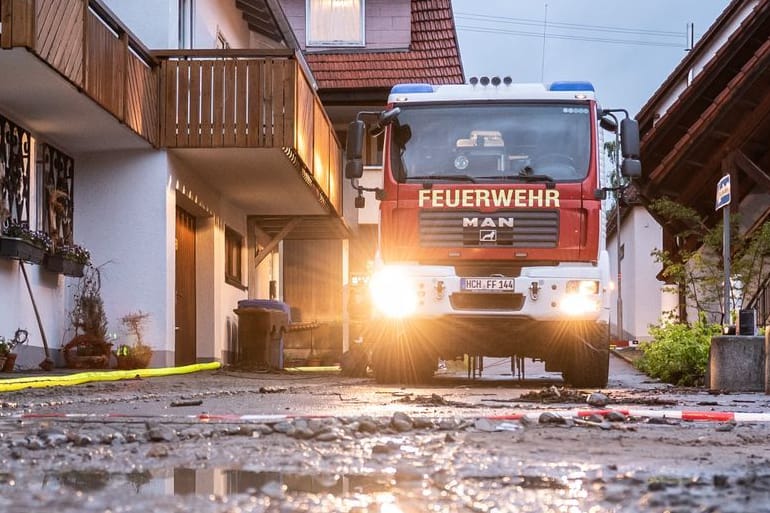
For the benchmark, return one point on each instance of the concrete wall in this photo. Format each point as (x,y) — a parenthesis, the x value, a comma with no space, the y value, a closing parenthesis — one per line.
(387,23)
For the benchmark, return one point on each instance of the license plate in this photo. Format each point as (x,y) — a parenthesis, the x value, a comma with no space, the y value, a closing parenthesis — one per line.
(487,284)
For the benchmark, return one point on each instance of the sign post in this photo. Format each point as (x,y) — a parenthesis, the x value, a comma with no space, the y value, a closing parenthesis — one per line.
(723,200)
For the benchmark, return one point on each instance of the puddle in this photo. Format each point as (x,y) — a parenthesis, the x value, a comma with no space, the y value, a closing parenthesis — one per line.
(217,481)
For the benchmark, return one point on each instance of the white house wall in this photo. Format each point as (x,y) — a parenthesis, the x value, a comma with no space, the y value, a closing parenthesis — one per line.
(216,323)
(121,216)
(643,296)
(49,291)
(156,23)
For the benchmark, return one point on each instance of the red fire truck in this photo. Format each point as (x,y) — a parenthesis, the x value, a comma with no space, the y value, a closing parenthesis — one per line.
(492,233)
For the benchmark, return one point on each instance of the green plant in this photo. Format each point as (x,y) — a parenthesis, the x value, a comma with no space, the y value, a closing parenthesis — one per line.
(22,231)
(695,265)
(5,347)
(679,352)
(74,252)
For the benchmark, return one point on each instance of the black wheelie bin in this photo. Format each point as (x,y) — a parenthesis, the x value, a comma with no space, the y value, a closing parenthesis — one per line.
(261,327)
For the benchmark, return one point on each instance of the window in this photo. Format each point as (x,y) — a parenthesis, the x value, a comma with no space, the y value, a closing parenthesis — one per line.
(185,23)
(496,141)
(335,22)
(233,251)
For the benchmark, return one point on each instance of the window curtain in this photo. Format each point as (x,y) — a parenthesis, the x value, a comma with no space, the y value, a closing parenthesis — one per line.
(335,22)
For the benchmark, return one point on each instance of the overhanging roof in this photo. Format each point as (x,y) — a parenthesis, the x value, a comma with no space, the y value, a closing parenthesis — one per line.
(720,123)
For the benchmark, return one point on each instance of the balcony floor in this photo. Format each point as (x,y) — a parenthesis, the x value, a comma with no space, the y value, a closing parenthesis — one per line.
(38,98)
(268,187)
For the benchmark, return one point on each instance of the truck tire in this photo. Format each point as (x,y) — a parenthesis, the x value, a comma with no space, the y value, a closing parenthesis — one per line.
(589,364)
(398,358)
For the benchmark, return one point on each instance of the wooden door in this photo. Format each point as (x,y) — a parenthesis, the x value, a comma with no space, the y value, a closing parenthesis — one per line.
(185,345)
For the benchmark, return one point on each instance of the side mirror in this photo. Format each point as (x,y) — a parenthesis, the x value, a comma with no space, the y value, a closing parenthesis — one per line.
(387,116)
(631,168)
(629,138)
(354,167)
(600,194)
(608,124)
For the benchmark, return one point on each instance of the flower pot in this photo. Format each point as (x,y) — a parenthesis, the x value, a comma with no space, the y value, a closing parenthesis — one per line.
(134,360)
(21,249)
(87,352)
(10,362)
(67,267)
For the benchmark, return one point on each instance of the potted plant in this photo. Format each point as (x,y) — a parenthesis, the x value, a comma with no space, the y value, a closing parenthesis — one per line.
(138,354)
(19,242)
(68,259)
(89,347)
(5,350)
(7,356)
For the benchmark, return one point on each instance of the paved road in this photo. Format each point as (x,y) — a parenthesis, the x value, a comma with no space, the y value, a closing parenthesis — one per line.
(348,444)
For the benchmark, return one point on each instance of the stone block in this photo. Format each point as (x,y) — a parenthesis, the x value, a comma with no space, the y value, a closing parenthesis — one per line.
(737,363)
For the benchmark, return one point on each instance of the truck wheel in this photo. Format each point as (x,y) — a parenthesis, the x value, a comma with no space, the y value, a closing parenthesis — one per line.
(590,362)
(399,359)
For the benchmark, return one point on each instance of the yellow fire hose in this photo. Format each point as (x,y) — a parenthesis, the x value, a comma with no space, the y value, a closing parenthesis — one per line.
(13,384)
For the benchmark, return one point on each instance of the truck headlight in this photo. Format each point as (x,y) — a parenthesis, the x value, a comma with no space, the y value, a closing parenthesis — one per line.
(581,297)
(393,292)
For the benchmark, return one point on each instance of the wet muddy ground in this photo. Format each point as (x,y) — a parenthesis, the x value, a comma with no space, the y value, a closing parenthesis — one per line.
(314,441)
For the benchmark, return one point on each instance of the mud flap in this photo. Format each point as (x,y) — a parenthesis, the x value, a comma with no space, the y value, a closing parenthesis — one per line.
(589,361)
(401,356)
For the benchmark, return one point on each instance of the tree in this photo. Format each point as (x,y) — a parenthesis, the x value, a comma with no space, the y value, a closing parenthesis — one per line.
(697,266)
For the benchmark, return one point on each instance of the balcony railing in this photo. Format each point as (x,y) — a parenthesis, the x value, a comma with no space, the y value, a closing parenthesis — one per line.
(183,99)
(248,99)
(89,46)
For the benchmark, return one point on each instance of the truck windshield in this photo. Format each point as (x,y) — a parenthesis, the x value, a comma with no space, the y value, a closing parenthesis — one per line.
(492,142)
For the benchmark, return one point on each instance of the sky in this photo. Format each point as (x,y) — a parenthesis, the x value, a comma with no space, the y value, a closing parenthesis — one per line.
(626,48)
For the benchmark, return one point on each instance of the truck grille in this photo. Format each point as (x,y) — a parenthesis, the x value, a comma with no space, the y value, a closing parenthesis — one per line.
(481,301)
(514,229)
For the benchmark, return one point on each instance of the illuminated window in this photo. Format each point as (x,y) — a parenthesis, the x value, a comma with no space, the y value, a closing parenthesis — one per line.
(233,251)
(335,22)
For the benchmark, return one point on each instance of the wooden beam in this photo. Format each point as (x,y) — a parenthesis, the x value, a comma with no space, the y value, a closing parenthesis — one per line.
(750,168)
(259,257)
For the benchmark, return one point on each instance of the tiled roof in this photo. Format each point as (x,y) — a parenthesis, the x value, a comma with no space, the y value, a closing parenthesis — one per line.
(432,57)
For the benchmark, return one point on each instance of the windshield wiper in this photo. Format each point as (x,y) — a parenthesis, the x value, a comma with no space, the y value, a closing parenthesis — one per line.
(459,178)
(529,178)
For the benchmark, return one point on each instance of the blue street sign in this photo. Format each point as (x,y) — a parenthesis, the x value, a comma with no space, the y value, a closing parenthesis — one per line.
(723,192)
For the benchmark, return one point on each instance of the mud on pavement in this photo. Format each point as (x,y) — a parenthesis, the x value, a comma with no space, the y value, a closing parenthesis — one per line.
(228,442)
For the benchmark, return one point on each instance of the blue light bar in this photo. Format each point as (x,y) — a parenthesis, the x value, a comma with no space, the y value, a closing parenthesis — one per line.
(571,86)
(411,88)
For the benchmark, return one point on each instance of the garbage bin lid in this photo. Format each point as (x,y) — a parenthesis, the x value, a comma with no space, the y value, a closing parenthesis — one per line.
(266,304)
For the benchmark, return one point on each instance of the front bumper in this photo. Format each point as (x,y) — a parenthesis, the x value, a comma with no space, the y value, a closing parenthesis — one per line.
(539,294)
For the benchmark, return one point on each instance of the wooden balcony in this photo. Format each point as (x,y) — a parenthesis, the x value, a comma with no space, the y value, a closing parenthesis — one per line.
(247,122)
(90,48)
(258,102)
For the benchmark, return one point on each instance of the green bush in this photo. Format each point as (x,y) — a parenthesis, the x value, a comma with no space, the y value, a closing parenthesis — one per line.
(678,353)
